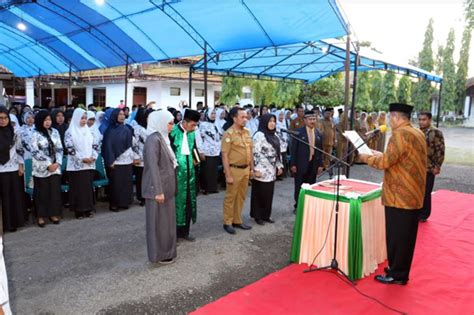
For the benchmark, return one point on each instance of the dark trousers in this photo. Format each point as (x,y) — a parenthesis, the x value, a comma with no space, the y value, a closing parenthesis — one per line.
(426,210)
(183,231)
(401,227)
(138,172)
(261,200)
(307,177)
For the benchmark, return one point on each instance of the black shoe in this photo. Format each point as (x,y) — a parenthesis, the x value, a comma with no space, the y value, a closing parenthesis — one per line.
(142,203)
(229,229)
(42,224)
(269,220)
(113,209)
(189,238)
(386,269)
(242,226)
(389,280)
(423,220)
(124,208)
(294,211)
(259,222)
(167,261)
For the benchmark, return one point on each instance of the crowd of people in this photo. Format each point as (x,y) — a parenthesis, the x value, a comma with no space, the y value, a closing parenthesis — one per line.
(170,156)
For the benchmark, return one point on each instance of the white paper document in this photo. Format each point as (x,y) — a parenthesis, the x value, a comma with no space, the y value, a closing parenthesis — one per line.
(357,141)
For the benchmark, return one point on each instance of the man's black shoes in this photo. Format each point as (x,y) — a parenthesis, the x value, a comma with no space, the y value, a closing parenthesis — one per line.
(389,280)
(229,229)
(242,226)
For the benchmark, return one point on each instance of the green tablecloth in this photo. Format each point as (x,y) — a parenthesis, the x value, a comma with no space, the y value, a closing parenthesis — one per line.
(355,248)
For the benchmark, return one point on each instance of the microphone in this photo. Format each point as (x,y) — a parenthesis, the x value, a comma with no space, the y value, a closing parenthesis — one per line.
(380,129)
(291,132)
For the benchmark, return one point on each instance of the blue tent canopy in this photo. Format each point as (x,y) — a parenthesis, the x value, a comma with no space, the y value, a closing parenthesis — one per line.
(49,36)
(308,61)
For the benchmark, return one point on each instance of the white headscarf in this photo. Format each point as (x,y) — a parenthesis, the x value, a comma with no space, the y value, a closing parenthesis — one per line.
(14,120)
(158,122)
(280,124)
(81,136)
(220,122)
(90,114)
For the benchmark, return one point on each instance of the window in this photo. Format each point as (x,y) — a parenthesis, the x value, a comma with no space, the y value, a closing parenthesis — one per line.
(199,92)
(174,91)
(99,97)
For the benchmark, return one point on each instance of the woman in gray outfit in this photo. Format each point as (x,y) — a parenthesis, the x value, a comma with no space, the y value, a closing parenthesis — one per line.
(159,189)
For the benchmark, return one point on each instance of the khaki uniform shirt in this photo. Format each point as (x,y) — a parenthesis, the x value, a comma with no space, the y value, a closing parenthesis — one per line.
(329,131)
(238,146)
(404,164)
(297,123)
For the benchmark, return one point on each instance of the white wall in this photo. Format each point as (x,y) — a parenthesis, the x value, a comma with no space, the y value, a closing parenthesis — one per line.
(158,91)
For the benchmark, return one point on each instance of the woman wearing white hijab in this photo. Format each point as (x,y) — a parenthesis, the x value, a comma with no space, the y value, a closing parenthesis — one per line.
(82,153)
(14,122)
(99,116)
(159,189)
(281,125)
(90,118)
(210,147)
(220,120)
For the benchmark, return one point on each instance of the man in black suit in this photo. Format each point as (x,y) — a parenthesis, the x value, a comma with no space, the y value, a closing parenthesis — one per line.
(306,162)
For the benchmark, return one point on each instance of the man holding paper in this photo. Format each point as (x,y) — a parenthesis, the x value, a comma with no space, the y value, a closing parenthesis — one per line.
(404,164)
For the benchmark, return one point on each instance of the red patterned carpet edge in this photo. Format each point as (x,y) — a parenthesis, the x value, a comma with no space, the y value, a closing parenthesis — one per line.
(442,276)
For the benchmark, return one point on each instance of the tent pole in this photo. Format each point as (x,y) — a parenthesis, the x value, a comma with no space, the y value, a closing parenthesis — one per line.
(190,85)
(205,76)
(40,103)
(354,92)
(126,81)
(347,67)
(14,88)
(69,87)
(439,104)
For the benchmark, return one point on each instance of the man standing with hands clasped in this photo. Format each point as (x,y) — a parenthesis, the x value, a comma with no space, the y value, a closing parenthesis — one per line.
(404,164)
(237,159)
(435,144)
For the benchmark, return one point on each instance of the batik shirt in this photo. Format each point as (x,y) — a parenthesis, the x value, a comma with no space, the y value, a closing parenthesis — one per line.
(74,163)
(404,164)
(16,155)
(41,155)
(208,141)
(265,158)
(26,133)
(130,154)
(140,135)
(435,142)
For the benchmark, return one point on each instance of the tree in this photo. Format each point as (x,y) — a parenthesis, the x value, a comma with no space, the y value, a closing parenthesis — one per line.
(448,92)
(422,92)
(231,90)
(327,92)
(404,90)
(376,80)
(389,92)
(462,66)
(269,88)
(363,101)
(287,94)
(470,13)
(439,60)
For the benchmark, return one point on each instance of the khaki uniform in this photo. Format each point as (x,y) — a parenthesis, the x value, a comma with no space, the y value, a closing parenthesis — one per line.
(329,133)
(341,140)
(296,123)
(237,144)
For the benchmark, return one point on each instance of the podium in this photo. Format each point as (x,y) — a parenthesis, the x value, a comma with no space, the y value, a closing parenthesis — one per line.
(361,234)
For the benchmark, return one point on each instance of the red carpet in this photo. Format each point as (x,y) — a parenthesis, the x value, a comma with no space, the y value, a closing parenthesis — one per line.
(442,276)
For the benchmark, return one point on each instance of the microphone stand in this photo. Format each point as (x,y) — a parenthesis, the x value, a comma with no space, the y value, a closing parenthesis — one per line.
(334,263)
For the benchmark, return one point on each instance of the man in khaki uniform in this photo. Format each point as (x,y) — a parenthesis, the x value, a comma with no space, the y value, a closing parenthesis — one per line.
(298,122)
(341,140)
(329,136)
(237,159)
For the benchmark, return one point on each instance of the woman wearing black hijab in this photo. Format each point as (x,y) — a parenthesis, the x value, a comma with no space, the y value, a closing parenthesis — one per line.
(47,153)
(59,123)
(11,172)
(267,165)
(118,148)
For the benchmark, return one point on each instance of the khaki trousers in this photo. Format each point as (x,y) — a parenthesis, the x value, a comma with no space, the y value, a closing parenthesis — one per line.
(235,195)
(326,159)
